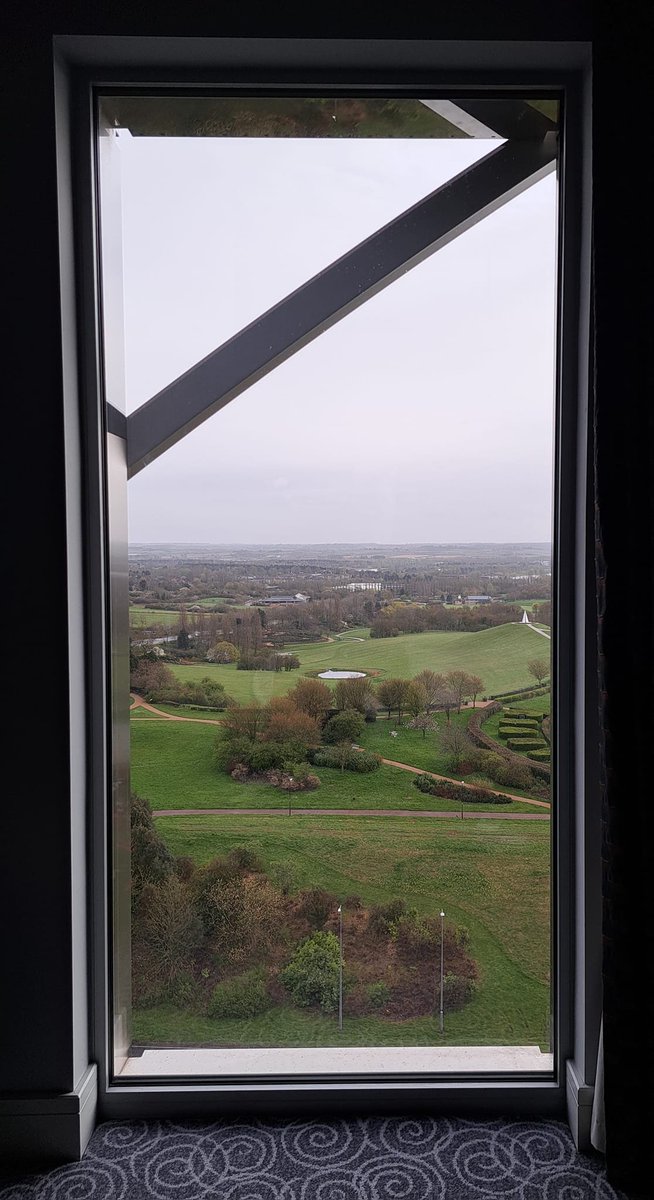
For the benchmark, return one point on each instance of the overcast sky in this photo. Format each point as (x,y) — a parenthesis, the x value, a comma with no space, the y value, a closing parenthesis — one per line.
(426,415)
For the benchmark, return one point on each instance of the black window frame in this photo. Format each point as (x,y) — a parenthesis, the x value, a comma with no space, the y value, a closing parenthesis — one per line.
(86,66)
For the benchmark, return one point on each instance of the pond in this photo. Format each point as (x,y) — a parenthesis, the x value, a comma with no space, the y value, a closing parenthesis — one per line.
(342,675)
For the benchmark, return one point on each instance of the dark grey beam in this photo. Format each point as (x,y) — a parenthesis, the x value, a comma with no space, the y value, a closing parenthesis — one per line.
(327,297)
(513,119)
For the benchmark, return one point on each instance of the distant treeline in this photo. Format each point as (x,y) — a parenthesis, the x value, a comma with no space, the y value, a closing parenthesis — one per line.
(417,618)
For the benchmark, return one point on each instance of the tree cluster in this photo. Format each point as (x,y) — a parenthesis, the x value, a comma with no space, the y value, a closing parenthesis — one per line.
(398,618)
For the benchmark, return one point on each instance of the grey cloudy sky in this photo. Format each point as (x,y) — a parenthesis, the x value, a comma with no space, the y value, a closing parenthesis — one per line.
(425,415)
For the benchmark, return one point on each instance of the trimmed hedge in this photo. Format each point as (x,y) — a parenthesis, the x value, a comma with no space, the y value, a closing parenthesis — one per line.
(521,692)
(511,731)
(481,739)
(542,755)
(525,743)
(456,791)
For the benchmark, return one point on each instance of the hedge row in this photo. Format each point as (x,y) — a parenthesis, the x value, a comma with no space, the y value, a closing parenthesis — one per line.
(542,755)
(522,692)
(542,769)
(526,694)
(511,731)
(456,791)
(525,744)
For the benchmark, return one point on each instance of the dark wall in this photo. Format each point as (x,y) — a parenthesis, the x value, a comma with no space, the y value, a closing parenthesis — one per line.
(35,869)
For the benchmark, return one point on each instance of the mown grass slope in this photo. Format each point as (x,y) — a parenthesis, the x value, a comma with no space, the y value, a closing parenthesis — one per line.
(499,656)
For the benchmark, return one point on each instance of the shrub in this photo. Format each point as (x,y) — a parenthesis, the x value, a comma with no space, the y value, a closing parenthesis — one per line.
(514,774)
(542,755)
(382,918)
(311,977)
(317,905)
(457,990)
(362,761)
(510,731)
(456,791)
(245,859)
(417,936)
(378,994)
(346,726)
(242,996)
(525,743)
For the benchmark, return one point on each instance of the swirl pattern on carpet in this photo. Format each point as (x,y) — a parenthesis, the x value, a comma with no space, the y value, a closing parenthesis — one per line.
(368,1159)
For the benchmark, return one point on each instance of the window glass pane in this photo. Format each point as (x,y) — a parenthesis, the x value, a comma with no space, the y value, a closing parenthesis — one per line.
(340,616)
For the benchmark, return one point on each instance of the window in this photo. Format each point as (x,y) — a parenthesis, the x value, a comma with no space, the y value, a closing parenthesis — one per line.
(165,436)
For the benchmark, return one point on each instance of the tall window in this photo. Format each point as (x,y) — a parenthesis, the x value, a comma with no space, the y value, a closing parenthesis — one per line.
(330,342)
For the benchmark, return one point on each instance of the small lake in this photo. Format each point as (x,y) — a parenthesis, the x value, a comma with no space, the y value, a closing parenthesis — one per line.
(342,675)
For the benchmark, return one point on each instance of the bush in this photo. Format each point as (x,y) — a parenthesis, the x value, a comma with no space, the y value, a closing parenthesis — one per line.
(241,997)
(456,791)
(417,936)
(346,726)
(542,755)
(525,743)
(244,859)
(311,977)
(457,990)
(514,774)
(378,994)
(317,905)
(382,918)
(362,761)
(510,731)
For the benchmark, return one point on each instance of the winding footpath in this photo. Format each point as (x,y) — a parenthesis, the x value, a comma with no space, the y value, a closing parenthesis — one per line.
(138,702)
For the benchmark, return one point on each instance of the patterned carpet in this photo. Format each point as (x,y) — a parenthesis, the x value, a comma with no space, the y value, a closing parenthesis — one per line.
(371,1159)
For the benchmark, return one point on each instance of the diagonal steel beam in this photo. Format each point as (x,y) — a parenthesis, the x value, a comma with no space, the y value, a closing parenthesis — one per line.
(307,312)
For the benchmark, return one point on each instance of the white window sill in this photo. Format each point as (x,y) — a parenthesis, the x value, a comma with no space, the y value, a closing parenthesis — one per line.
(337,1060)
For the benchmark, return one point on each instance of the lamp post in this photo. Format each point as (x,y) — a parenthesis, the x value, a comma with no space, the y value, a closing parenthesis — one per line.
(442,973)
(340,968)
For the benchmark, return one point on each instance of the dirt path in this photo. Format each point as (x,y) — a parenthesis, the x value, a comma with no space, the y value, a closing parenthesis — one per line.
(389,762)
(138,702)
(346,812)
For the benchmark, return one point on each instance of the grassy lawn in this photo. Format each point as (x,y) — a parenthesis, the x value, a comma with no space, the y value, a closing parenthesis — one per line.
(410,746)
(491,877)
(142,617)
(499,656)
(172,766)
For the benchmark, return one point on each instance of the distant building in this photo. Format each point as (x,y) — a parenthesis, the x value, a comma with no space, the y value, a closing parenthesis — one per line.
(478,599)
(299,598)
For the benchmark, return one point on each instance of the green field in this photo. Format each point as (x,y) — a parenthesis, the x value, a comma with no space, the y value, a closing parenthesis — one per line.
(498,655)
(142,618)
(491,877)
(172,767)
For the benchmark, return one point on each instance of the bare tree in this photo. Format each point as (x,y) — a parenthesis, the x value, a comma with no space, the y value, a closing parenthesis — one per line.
(312,697)
(476,686)
(539,668)
(455,742)
(432,684)
(354,693)
(459,682)
(447,699)
(415,699)
(393,693)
